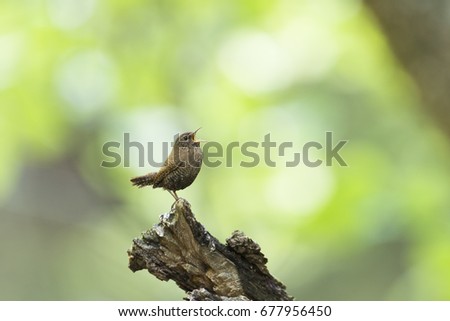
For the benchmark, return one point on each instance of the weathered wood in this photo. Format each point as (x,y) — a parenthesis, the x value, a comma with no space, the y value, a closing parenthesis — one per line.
(179,248)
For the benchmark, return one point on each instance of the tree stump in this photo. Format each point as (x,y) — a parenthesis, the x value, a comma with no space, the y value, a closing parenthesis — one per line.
(179,248)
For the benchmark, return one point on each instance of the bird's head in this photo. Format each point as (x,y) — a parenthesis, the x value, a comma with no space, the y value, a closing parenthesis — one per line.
(187,139)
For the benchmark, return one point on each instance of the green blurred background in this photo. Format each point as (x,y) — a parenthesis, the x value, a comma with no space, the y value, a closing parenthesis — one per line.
(75,74)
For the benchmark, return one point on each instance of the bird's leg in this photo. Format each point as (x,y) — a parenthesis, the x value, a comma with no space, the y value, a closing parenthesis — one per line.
(174,194)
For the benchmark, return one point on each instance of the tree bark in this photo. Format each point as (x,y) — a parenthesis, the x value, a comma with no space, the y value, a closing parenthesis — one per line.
(179,248)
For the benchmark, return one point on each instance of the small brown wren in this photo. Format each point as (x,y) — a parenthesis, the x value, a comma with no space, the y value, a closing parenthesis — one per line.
(179,170)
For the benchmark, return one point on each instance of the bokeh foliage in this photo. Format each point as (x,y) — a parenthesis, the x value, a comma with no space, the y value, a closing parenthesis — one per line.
(75,74)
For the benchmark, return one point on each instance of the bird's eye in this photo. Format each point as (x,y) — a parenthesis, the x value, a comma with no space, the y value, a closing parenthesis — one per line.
(184,138)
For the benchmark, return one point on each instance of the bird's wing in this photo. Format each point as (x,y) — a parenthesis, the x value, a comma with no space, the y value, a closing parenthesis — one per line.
(164,171)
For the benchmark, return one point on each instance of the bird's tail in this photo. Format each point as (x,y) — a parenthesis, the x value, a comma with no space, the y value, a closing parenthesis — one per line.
(144,180)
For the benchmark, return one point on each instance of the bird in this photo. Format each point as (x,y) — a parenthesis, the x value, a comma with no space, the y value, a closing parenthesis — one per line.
(179,169)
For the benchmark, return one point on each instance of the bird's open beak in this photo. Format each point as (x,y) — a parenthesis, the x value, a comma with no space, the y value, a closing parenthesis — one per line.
(193,137)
